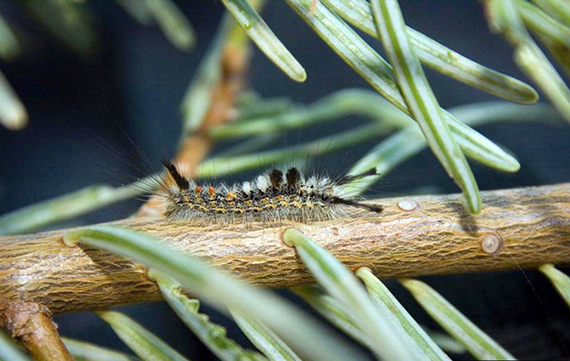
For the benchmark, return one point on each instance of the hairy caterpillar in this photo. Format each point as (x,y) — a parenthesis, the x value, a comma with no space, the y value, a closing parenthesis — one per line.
(272,196)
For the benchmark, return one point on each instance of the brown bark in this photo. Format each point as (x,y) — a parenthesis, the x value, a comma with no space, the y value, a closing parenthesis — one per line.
(414,236)
(31,323)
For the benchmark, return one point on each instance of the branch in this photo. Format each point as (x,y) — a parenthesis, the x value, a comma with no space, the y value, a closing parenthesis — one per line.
(31,323)
(415,236)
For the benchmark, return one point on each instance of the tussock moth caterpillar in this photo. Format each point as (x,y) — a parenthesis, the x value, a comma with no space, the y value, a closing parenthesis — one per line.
(272,196)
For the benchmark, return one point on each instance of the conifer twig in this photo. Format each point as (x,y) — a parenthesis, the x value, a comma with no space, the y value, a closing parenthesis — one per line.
(524,227)
(31,323)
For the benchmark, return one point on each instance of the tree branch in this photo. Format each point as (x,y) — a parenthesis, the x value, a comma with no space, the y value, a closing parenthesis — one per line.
(31,323)
(415,236)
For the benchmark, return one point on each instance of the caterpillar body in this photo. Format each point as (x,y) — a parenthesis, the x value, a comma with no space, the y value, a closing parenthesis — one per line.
(273,196)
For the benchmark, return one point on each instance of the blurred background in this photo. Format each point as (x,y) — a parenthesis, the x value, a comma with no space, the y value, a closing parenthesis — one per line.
(110,116)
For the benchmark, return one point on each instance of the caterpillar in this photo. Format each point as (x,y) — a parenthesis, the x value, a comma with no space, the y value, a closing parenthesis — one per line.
(272,196)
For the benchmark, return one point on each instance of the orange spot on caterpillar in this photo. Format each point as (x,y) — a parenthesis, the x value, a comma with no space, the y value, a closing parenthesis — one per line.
(212,191)
(231,196)
(198,189)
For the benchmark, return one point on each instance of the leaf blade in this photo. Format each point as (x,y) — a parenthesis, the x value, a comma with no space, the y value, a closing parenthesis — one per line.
(143,342)
(85,351)
(13,114)
(69,205)
(332,309)
(421,101)
(440,58)
(477,342)
(212,335)
(264,339)
(558,279)
(384,298)
(173,23)
(265,39)
(387,343)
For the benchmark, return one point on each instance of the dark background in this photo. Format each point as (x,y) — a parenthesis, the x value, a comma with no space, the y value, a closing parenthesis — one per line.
(112,118)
